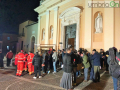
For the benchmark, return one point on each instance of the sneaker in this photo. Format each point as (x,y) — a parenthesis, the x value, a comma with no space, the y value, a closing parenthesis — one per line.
(34,77)
(54,72)
(40,76)
(85,81)
(48,72)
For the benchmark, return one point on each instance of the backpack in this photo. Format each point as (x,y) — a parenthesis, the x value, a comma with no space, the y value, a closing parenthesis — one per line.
(114,68)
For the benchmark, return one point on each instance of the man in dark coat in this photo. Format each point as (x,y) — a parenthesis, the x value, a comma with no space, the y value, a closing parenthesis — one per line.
(37,62)
(96,62)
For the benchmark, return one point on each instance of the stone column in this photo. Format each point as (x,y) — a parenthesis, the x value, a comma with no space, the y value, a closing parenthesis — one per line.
(88,26)
(78,32)
(55,25)
(63,35)
(47,28)
(38,37)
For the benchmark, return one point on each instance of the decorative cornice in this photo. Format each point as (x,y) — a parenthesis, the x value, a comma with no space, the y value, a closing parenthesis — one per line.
(70,12)
(49,5)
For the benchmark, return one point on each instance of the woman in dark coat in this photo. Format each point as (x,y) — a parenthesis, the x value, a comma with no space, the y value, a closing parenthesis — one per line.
(66,81)
(46,63)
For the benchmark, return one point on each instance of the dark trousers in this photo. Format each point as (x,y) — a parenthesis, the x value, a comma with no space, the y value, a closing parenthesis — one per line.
(101,61)
(106,66)
(8,61)
(15,69)
(37,69)
(51,64)
(1,63)
(48,65)
(96,73)
(45,68)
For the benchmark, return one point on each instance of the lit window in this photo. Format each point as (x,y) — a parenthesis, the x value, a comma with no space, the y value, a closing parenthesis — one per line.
(8,38)
(7,47)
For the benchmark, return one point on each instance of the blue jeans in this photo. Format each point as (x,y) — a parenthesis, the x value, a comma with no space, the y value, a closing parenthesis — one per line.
(85,73)
(115,82)
(43,69)
(77,73)
(92,73)
(54,66)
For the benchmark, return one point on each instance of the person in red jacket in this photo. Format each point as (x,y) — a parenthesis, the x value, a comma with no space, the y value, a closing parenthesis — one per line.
(16,62)
(21,58)
(29,60)
(9,56)
(25,63)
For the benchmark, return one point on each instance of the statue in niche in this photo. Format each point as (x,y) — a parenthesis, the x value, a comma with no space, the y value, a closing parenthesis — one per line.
(98,24)
(52,33)
(43,34)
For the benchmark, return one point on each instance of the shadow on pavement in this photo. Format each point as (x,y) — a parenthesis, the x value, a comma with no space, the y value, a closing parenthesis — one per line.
(8,72)
(99,85)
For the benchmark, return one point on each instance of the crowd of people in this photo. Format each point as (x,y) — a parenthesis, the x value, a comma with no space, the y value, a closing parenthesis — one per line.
(52,60)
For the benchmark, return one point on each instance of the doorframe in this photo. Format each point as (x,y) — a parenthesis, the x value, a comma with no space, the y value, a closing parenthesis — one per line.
(69,38)
(30,48)
(69,17)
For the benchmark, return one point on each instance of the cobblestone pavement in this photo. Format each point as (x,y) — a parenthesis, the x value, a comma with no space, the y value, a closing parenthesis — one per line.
(8,81)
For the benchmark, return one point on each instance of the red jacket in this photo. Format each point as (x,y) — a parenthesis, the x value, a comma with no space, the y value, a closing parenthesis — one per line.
(21,57)
(26,55)
(16,59)
(30,58)
(9,55)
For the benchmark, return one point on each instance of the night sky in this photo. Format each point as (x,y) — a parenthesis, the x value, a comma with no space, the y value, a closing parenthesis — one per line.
(14,12)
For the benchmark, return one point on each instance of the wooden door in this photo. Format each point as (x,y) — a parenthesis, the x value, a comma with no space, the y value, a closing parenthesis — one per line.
(71,42)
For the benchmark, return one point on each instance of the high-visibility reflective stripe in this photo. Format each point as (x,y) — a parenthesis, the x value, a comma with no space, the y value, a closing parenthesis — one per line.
(20,61)
(117,58)
(29,62)
(20,58)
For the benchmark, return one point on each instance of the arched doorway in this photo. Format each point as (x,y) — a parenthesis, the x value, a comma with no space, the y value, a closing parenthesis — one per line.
(70,18)
(32,44)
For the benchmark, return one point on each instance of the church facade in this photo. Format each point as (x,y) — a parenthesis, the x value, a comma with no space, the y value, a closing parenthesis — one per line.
(73,22)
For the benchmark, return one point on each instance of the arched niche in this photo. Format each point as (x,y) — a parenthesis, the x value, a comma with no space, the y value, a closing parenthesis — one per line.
(97,37)
(95,15)
(51,32)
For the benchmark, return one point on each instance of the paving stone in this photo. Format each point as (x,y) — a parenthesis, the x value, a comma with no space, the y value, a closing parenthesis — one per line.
(8,81)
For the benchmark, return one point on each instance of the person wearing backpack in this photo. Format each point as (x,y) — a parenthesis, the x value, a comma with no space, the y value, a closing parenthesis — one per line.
(113,61)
